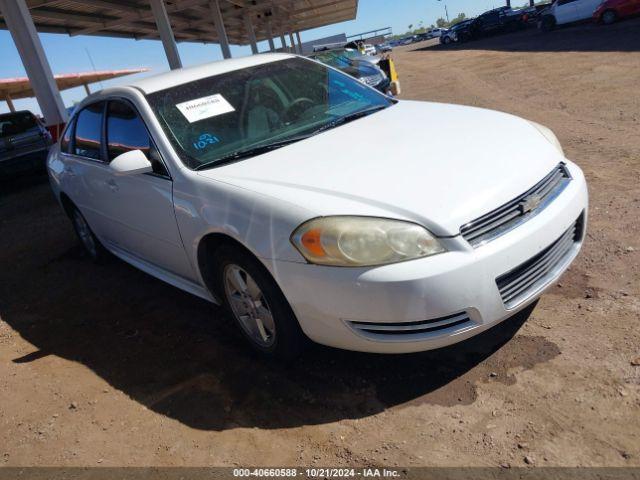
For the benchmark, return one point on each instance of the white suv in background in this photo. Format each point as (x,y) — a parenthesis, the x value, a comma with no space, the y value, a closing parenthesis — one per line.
(568,11)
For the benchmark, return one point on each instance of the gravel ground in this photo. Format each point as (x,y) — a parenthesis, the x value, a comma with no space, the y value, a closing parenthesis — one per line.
(104,365)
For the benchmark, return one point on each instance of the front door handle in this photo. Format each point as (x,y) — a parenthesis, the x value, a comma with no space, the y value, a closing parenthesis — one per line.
(113,186)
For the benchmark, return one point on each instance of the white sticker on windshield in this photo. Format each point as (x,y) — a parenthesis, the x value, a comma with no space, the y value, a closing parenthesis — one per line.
(205,107)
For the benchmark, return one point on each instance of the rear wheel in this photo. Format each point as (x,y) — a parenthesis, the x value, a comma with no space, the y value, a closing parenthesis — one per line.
(446,40)
(88,240)
(256,303)
(609,17)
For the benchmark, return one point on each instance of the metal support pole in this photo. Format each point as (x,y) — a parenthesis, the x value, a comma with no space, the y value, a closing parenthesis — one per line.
(283,41)
(272,46)
(293,43)
(299,43)
(251,34)
(86,88)
(219,24)
(166,33)
(20,24)
(7,99)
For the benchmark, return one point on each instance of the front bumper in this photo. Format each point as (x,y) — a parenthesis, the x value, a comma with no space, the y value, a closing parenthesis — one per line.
(332,303)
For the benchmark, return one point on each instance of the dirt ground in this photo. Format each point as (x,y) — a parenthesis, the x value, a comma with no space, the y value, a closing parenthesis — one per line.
(104,365)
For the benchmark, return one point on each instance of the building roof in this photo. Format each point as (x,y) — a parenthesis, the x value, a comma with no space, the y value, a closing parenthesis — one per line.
(192,20)
(20,87)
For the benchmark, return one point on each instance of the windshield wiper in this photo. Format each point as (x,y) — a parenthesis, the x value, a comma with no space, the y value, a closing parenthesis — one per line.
(259,150)
(348,118)
(250,152)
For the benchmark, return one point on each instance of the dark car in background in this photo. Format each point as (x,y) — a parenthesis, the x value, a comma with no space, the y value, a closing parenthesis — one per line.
(363,70)
(460,29)
(498,20)
(24,143)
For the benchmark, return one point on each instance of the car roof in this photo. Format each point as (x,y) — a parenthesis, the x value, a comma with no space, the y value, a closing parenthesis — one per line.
(185,75)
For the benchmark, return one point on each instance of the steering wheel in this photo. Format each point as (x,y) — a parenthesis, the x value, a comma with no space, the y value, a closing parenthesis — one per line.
(297,108)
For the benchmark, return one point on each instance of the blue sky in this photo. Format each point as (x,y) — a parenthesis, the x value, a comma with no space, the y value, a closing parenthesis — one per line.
(71,54)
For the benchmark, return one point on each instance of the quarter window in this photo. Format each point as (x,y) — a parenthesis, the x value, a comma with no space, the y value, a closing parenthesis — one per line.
(88,131)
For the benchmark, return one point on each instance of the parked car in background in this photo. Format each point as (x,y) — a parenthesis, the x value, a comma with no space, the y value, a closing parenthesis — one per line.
(383,48)
(369,49)
(498,20)
(459,32)
(436,32)
(368,73)
(24,143)
(563,12)
(610,11)
(263,197)
(531,14)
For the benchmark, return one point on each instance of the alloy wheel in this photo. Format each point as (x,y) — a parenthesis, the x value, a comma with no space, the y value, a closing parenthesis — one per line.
(84,232)
(249,306)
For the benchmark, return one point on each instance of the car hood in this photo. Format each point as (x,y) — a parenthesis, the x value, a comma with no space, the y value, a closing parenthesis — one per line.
(435,164)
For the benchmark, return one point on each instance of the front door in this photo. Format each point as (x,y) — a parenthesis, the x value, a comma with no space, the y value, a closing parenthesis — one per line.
(139,208)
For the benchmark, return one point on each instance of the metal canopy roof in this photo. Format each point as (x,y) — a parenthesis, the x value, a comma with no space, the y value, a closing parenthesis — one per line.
(191,20)
(21,87)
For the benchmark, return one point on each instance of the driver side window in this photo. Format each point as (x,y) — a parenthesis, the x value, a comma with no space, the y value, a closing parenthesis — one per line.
(126,131)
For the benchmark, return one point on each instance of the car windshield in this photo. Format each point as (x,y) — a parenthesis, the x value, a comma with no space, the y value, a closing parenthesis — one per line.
(246,112)
(17,123)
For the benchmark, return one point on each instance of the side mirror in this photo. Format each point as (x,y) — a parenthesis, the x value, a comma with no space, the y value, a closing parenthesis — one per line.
(131,163)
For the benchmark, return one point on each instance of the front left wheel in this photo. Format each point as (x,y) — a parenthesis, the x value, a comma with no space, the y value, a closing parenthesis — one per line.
(256,303)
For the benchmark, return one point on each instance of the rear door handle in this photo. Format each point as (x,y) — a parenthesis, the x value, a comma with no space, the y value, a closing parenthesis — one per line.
(113,186)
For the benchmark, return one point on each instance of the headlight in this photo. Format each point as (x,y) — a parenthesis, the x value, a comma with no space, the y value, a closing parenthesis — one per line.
(362,241)
(549,135)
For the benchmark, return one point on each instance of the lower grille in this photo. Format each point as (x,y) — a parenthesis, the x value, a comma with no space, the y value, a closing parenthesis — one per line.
(523,281)
(407,331)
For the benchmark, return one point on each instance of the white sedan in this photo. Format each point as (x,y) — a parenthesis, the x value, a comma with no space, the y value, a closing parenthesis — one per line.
(244,183)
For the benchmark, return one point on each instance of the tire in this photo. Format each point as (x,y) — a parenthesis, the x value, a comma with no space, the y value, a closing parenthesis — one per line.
(260,310)
(446,40)
(609,17)
(90,243)
(547,23)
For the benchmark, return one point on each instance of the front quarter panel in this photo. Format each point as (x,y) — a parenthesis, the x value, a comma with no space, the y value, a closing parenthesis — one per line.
(262,224)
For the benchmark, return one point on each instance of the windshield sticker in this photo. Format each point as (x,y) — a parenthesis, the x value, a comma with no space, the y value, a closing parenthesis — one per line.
(205,107)
(205,140)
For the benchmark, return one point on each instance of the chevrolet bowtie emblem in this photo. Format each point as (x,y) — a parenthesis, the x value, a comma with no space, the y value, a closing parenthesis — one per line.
(530,203)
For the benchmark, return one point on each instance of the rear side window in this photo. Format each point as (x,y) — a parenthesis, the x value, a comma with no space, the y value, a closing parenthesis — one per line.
(88,131)
(125,130)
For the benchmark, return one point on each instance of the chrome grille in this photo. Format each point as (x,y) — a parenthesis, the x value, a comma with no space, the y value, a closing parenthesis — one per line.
(518,210)
(526,279)
(408,331)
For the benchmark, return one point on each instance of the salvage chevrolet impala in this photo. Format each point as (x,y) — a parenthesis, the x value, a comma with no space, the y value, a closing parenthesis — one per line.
(244,183)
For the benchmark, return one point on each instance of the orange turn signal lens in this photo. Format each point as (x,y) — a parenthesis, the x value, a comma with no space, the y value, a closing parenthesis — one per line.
(311,240)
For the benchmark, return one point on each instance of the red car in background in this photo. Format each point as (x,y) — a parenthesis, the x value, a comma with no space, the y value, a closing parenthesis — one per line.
(611,10)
